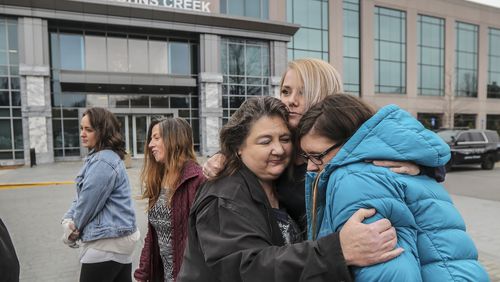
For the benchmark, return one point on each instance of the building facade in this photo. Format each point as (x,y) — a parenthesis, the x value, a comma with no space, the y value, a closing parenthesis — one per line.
(438,59)
(141,59)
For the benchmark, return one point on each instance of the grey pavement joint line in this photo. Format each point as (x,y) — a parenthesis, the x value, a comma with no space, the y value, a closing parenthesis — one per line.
(33,184)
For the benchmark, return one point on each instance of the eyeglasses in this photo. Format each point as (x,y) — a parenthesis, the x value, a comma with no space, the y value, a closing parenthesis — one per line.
(317,159)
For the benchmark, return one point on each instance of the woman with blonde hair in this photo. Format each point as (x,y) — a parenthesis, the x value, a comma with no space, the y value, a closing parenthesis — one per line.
(171,177)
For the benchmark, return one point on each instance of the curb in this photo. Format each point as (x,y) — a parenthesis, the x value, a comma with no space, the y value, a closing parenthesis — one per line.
(33,184)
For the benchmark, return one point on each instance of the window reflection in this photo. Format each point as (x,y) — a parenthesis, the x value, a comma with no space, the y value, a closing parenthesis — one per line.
(430,120)
(493,122)
(430,34)
(493,88)
(71,51)
(465,120)
(118,101)
(390,51)
(246,68)
(247,8)
(466,60)
(179,58)
(11,129)
(311,40)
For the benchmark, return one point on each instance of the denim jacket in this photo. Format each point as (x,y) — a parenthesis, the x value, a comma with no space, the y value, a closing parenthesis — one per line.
(103,206)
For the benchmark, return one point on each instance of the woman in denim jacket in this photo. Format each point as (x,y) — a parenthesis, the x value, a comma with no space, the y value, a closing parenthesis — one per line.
(102,214)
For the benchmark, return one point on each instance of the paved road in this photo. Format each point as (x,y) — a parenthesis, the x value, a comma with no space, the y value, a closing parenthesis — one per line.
(33,215)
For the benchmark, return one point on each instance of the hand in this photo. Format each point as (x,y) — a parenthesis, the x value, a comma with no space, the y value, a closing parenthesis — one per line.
(368,244)
(400,167)
(214,165)
(74,235)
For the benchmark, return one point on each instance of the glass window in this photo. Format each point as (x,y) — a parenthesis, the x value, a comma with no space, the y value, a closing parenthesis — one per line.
(71,51)
(245,66)
(139,101)
(18,133)
(138,55)
(247,8)
(159,102)
(430,121)
(390,51)
(179,58)
(466,59)
(493,122)
(430,34)
(4,99)
(3,36)
(117,54)
(158,62)
(311,40)
(11,129)
(5,135)
(95,55)
(465,120)
(493,88)
(118,101)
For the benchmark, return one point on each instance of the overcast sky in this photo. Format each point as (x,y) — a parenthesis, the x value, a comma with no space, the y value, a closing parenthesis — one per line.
(494,3)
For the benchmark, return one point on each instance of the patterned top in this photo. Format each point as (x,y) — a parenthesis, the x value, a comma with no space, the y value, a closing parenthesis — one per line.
(289,229)
(160,217)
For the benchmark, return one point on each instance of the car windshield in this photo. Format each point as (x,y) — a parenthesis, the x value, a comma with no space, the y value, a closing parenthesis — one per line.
(447,134)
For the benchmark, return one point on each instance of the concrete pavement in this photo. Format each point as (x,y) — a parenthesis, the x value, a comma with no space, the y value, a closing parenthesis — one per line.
(32,215)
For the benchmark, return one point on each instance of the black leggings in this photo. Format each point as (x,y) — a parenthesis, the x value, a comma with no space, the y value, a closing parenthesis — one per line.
(108,271)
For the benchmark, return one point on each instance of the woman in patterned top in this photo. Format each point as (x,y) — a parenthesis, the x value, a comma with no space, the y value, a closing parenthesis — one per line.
(170,177)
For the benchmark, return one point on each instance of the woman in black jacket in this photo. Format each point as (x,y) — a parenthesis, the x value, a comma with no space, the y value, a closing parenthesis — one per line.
(237,231)
(9,264)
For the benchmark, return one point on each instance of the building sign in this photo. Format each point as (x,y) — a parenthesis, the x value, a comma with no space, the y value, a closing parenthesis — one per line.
(192,5)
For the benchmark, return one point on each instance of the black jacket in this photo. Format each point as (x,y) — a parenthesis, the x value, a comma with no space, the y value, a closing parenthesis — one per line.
(9,264)
(233,236)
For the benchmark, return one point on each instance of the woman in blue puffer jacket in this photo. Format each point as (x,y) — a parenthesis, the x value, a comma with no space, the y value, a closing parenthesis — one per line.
(338,137)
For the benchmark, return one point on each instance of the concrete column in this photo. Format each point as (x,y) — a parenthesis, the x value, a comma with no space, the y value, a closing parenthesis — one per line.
(277,10)
(34,69)
(336,35)
(210,112)
(210,93)
(411,61)
(482,75)
(367,46)
(449,71)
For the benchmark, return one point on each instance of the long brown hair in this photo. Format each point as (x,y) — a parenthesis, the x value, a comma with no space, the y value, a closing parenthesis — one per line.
(107,131)
(233,134)
(177,137)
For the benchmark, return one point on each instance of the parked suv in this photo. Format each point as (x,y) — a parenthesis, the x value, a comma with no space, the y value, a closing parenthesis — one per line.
(472,146)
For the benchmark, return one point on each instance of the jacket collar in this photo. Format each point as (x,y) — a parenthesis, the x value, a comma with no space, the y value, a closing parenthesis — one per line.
(253,182)
(257,193)
(191,169)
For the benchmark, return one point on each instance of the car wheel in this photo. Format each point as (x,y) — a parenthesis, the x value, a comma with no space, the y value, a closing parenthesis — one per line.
(488,162)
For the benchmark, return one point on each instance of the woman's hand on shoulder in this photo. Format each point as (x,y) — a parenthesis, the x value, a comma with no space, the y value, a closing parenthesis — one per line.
(214,165)
(400,167)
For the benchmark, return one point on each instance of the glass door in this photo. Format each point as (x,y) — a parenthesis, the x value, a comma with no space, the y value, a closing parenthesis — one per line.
(124,130)
(140,127)
(134,129)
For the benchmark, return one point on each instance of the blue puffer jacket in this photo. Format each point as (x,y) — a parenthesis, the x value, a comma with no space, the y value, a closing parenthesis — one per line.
(428,225)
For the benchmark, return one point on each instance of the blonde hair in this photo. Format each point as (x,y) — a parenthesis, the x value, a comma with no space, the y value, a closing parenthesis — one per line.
(319,79)
(177,138)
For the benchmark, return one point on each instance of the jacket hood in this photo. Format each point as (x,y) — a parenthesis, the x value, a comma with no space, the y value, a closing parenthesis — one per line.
(392,134)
